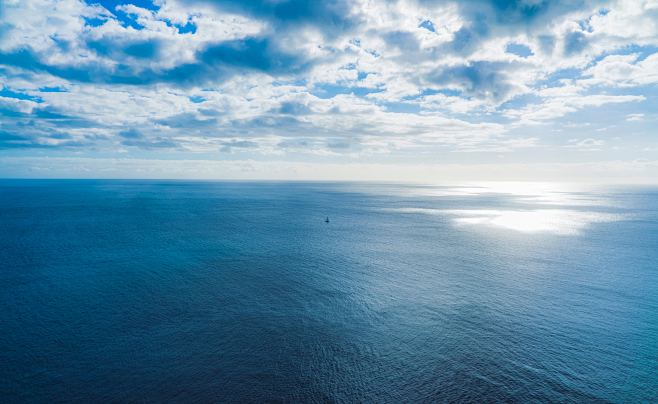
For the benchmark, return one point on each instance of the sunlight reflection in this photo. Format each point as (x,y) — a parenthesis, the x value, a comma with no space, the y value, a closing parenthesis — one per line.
(557,221)
(536,207)
(548,193)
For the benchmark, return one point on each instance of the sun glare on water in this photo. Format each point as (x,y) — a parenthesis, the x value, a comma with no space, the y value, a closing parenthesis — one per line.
(557,221)
(542,207)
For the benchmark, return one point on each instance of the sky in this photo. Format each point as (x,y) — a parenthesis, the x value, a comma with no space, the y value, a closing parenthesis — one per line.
(409,90)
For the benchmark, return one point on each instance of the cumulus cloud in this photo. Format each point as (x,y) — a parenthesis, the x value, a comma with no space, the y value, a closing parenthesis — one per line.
(347,78)
(624,71)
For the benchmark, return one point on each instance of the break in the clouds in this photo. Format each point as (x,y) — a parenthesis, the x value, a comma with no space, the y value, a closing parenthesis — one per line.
(395,82)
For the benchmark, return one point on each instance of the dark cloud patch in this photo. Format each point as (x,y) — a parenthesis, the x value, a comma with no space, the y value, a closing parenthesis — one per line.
(523,13)
(293,108)
(332,17)
(405,41)
(490,18)
(214,63)
(131,134)
(49,115)
(143,49)
(42,128)
(11,140)
(21,58)
(10,113)
(186,74)
(236,57)
(519,11)
(28,60)
(114,49)
(209,112)
(574,42)
(62,44)
(465,41)
(253,54)
(55,117)
(546,43)
(478,79)
(187,120)
(100,47)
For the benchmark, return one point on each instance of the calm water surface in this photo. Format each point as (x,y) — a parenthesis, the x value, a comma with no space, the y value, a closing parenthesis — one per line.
(165,291)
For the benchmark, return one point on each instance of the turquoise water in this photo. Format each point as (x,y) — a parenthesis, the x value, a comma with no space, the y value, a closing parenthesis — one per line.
(164,291)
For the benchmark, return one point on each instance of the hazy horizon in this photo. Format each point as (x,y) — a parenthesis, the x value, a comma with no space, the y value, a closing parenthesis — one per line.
(53,168)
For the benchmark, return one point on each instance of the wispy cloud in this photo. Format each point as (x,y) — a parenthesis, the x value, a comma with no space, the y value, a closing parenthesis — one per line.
(635,117)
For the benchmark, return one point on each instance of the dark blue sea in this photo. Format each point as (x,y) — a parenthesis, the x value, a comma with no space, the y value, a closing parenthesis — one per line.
(172,291)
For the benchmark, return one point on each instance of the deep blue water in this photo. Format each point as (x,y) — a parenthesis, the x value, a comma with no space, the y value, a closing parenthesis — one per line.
(165,291)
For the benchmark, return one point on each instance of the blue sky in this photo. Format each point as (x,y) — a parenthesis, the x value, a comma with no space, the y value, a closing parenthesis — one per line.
(422,90)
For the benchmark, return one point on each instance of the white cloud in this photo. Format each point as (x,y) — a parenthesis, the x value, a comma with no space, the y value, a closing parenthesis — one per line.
(634,117)
(624,71)
(384,85)
(557,103)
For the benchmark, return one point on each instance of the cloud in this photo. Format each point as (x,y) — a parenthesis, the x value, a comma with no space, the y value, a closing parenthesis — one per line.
(330,16)
(214,63)
(560,101)
(624,71)
(478,79)
(589,144)
(575,42)
(635,117)
(130,134)
(345,79)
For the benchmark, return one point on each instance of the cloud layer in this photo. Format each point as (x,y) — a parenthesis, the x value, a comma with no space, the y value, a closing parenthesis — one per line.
(292,79)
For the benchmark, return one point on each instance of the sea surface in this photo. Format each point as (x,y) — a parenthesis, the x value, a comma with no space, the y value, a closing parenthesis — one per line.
(173,291)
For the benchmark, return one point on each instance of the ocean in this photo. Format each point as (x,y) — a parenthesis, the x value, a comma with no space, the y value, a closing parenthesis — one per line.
(192,291)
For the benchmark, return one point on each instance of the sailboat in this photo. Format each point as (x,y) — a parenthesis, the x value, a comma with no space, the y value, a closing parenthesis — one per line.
(326,220)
